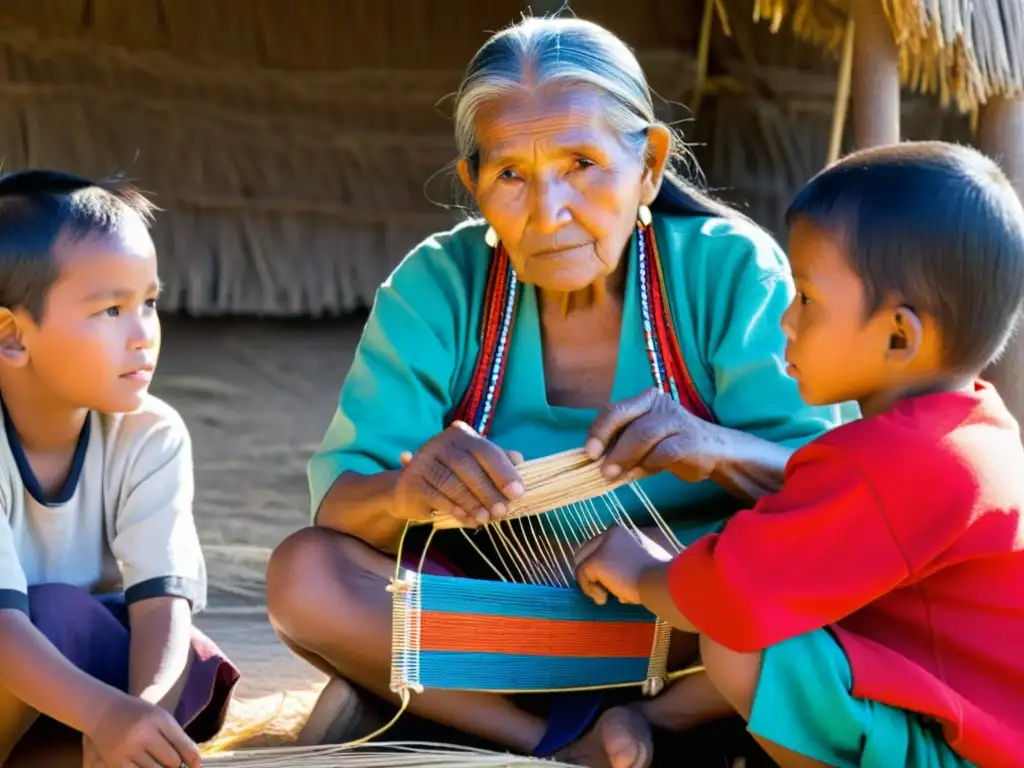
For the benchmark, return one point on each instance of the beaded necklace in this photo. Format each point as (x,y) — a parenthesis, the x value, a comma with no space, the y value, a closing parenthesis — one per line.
(500,300)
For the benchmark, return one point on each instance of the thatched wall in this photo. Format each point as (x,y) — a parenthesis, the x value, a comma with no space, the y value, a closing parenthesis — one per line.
(297,148)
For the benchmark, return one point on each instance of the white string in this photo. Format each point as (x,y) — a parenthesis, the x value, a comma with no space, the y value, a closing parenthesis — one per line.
(539,549)
(379,755)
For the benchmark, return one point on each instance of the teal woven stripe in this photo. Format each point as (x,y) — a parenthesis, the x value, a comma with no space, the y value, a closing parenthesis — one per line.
(526,601)
(511,672)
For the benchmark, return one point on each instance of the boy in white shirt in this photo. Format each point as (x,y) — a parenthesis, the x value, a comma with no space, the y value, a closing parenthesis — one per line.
(100,563)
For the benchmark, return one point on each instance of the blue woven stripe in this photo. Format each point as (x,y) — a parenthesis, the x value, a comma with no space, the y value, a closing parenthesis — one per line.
(526,601)
(508,672)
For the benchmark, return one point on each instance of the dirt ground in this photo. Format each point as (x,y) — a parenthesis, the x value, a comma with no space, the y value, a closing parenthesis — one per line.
(257,396)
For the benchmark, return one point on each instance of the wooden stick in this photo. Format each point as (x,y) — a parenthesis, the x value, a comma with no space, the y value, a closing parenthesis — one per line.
(842,95)
(703,52)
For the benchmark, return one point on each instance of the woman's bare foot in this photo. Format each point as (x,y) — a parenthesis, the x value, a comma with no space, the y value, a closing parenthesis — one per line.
(621,738)
(339,716)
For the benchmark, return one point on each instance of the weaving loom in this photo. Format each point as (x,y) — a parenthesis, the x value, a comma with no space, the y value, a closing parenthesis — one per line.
(532,630)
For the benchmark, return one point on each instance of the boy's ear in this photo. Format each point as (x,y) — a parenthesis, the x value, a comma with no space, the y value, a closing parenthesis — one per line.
(906,336)
(12,351)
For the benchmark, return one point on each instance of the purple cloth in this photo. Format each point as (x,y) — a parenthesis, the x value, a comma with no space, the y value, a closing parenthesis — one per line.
(92,633)
(572,713)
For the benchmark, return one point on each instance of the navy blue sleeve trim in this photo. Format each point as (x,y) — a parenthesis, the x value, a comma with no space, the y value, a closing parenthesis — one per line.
(13,600)
(164,586)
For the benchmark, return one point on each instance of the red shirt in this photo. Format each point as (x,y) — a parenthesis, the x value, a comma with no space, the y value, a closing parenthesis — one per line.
(904,534)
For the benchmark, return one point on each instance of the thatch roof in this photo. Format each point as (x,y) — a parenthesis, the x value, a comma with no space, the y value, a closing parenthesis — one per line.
(296,147)
(963,51)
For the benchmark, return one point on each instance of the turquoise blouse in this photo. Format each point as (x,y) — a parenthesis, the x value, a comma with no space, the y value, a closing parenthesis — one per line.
(728,285)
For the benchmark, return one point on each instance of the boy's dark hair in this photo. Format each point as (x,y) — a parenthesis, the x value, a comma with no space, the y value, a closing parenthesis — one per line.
(935,226)
(37,207)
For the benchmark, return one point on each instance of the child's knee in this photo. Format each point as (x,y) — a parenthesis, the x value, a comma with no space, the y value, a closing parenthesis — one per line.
(734,674)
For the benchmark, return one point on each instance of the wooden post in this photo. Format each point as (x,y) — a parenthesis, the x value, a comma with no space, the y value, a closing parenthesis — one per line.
(1001,137)
(876,77)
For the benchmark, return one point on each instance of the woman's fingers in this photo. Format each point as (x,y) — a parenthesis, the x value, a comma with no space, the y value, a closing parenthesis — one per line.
(417,499)
(444,489)
(498,466)
(467,472)
(648,434)
(666,455)
(614,418)
(636,442)
(462,474)
(486,471)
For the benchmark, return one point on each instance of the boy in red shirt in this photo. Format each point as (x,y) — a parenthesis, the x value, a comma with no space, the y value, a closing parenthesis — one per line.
(871,612)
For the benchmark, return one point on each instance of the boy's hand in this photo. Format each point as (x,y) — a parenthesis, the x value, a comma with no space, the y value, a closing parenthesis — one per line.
(612,563)
(133,732)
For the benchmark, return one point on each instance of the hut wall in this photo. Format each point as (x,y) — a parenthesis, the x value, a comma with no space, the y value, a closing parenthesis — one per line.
(299,150)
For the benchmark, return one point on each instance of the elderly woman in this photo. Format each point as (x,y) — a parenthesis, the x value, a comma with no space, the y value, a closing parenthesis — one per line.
(614,306)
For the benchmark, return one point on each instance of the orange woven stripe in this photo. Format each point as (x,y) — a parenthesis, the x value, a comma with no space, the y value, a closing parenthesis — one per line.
(535,637)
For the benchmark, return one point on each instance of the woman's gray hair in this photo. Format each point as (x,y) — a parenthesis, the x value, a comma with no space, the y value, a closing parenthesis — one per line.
(538,51)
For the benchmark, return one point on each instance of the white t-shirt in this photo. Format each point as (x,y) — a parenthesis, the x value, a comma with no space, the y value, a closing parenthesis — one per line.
(122,522)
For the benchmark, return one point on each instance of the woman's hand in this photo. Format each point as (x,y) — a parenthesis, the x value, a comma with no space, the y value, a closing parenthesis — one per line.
(130,731)
(611,564)
(459,473)
(651,433)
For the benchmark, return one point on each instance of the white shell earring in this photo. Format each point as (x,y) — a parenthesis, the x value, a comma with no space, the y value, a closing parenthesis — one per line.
(491,238)
(644,214)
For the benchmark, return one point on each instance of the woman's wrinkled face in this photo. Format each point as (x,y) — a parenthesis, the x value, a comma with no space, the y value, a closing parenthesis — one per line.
(559,185)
